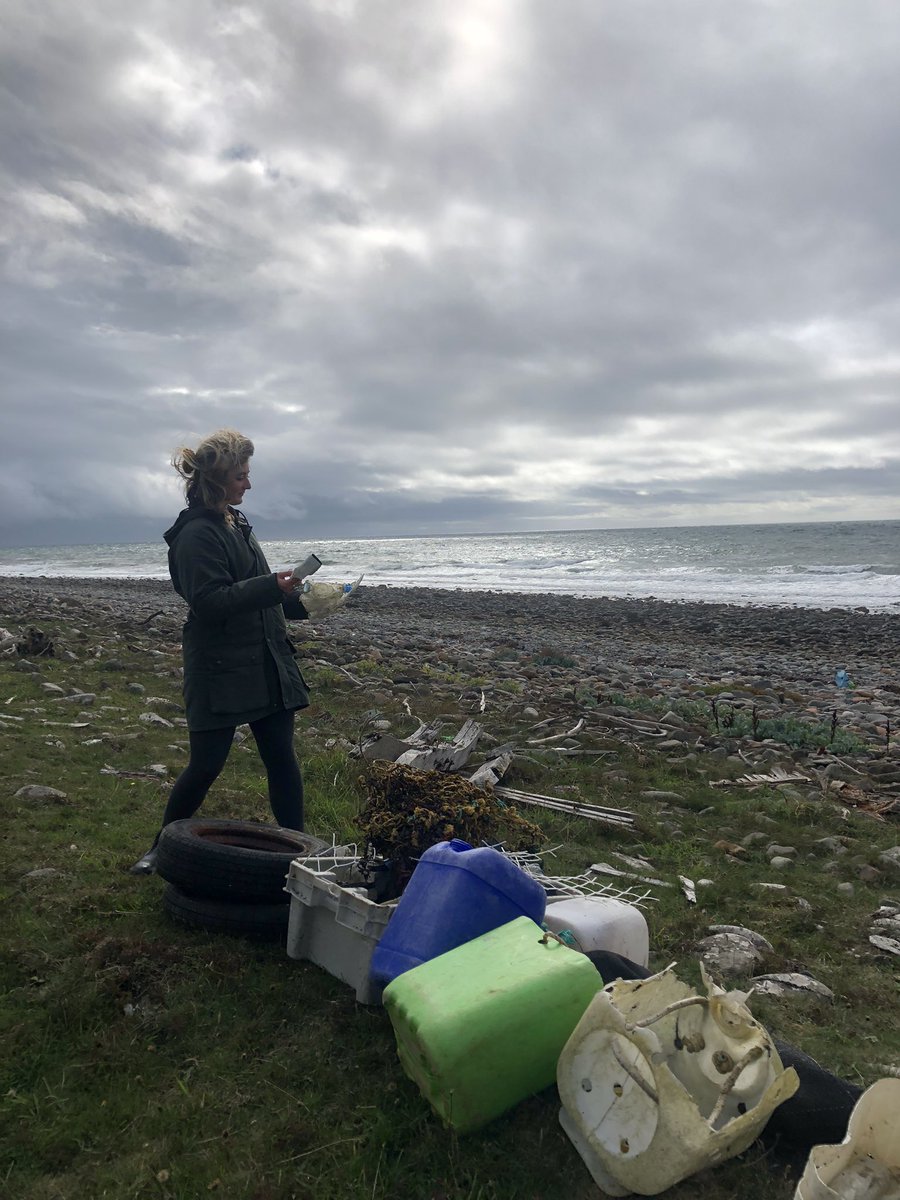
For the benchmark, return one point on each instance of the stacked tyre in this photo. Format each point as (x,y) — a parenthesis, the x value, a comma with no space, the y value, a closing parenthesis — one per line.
(229,876)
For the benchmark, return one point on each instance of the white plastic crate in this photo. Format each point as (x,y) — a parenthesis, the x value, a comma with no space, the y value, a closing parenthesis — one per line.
(335,927)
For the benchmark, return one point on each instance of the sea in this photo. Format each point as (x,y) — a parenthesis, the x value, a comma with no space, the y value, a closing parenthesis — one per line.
(842,564)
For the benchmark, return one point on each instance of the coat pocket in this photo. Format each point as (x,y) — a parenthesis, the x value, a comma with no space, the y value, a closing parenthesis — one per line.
(237,683)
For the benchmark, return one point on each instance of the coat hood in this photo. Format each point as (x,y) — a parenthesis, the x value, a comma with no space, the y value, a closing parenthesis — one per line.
(185,517)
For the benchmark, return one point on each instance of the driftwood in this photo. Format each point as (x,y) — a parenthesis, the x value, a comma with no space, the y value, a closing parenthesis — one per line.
(776,777)
(558,737)
(443,756)
(387,747)
(384,747)
(424,749)
(491,772)
(636,864)
(644,727)
(606,869)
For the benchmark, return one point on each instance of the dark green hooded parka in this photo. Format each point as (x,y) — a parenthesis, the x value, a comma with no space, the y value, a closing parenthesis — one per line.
(238,660)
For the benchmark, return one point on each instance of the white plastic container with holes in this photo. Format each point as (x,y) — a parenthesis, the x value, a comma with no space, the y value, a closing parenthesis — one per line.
(601,923)
(335,927)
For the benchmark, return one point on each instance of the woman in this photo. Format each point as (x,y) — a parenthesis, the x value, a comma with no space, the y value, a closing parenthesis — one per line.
(239,663)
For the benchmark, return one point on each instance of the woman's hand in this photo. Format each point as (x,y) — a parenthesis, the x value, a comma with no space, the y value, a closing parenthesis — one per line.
(287,583)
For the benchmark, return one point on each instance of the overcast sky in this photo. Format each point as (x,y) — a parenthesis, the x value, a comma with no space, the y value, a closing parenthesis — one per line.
(454,265)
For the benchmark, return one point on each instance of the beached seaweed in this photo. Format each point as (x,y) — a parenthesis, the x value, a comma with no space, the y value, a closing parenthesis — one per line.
(408,810)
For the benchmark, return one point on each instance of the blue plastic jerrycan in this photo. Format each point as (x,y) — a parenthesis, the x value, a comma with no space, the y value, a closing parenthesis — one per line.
(455,894)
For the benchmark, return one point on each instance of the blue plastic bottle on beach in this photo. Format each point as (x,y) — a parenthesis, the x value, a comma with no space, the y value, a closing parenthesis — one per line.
(455,894)
(842,678)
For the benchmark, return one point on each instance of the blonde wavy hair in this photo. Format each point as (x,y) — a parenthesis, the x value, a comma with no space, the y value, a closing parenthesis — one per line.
(204,469)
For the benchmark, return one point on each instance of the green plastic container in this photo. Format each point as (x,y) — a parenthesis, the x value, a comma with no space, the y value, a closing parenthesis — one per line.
(481,1027)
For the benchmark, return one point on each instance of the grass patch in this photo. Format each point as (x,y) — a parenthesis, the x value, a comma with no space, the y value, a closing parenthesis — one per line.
(150,1060)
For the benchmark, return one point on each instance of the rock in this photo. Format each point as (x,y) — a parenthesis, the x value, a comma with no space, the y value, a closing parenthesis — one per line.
(887,944)
(845,889)
(791,984)
(830,845)
(731,848)
(891,859)
(780,863)
(774,851)
(53,689)
(86,699)
(152,718)
(730,953)
(41,873)
(672,718)
(136,689)
(652,794)
(869,874)
(750,935)
(752,838)
(39,793)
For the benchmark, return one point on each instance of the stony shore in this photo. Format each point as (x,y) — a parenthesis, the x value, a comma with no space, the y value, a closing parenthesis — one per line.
(569,655)
(714,695)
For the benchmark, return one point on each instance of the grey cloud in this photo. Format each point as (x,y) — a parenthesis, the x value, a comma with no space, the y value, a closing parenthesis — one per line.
(414,249)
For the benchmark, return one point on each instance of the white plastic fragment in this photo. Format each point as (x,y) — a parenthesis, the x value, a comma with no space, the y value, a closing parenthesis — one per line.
(658,1082)
(866,1165)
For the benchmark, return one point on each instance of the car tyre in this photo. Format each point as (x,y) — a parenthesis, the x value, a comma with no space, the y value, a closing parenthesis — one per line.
(237,861)
(261,922)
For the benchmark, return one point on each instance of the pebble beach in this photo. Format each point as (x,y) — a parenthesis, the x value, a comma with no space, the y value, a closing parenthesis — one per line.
(562,652)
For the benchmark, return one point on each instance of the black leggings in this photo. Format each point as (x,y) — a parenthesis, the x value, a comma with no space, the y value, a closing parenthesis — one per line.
(209,749)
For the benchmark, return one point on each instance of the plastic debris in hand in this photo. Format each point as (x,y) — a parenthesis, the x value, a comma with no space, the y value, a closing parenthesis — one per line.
(324,598)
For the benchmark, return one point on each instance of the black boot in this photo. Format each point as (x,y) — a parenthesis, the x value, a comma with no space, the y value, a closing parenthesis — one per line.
(146,865)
